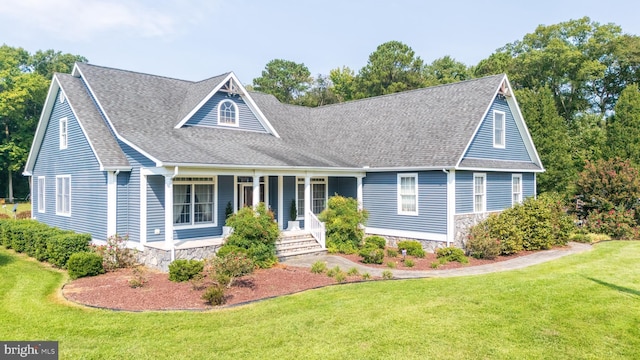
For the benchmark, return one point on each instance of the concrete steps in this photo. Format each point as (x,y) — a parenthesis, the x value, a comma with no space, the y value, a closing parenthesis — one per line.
(295,243)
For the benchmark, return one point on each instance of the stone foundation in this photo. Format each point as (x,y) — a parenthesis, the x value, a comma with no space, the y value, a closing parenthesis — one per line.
(160,258)
(427,245)
(463,224)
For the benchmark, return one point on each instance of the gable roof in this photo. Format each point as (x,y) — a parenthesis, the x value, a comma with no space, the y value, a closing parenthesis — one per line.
(421,129)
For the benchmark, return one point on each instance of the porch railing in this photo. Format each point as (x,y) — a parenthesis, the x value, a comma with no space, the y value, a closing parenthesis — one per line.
(316,227)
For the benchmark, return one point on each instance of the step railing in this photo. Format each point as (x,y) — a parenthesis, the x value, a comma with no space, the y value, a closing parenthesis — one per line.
(316,227)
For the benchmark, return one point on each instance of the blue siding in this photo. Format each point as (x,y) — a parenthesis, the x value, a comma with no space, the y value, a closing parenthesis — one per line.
(207,115)
(464,192)
(528,185)
(88,183)
(344,186)
(124,197)
(499,190)
(482,145)
(380,199)
(155,207)
(224,187)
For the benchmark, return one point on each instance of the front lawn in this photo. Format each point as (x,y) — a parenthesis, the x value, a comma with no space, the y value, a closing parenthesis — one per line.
(582,306)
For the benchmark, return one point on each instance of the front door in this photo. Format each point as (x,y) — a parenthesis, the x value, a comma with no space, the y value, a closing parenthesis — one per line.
(247,195)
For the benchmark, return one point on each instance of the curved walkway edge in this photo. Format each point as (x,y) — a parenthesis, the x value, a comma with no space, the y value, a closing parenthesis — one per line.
(512,264)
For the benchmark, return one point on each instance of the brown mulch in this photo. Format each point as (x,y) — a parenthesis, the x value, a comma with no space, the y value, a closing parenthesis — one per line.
(113,290)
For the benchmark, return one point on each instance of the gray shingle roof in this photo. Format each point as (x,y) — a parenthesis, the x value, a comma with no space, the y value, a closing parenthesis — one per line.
(428,127)
(106,147)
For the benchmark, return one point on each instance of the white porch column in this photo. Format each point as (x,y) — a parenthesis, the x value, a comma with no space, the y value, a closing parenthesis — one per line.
(112,202)
(143,209)
(359,193)
(451,206)
(168,211)
(256,190)
(280,203)
(307,199)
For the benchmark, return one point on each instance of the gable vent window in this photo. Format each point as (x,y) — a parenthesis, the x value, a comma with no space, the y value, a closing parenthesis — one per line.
(227,113)
(64,135)
(498,129)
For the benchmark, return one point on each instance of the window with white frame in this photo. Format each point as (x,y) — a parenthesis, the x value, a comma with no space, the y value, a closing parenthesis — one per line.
(408,194)
(41,194)
(498,129)
(63,195)
(516,188)
(64,133)
(318,196)
(194,201)
(227,113)
(479,192)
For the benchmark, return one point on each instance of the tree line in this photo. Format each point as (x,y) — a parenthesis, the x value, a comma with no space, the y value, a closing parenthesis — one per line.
(575,82)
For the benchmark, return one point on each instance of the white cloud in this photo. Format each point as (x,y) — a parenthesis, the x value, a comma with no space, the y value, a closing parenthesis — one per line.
(83,19)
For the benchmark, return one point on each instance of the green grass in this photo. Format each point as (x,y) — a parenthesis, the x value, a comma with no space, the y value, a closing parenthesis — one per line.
(584,306)
(8,208)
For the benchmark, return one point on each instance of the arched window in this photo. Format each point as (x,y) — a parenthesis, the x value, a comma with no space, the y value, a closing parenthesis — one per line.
(227,113)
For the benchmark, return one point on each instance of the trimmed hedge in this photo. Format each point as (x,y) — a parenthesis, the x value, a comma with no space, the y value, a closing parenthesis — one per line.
(83,264)
(414,248)
(375,240)
(184,270)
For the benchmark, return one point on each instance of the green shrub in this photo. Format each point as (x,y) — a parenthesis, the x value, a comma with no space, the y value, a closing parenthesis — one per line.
(341,277)
(480,244)
(391,264)
(617,224)
(257,232)
(83,264)
(392,253)
(387,275)
(372,255)
(116,254)
(214,295)
(452,254)
(343,223)
(366,276)
(505,227)
(184,270)
(61,246)
(377,241)
(594,238)
(409,263)
(414,248)
(227,249)
(319,267)
(353,272)
(333,271)
(234,265)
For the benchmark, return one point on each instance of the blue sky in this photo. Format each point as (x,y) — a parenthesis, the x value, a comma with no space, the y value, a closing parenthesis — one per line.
(194,40)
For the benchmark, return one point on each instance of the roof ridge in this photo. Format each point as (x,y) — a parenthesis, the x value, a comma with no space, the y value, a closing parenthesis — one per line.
(138,73)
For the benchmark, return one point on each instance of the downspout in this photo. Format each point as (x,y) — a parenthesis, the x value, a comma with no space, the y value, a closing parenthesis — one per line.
(173,243)
(448,204)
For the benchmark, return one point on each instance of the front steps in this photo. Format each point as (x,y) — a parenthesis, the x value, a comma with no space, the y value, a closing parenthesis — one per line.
(294,243)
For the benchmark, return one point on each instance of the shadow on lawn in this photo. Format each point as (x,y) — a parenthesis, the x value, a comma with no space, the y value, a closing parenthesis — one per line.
(615,287)
(6,259)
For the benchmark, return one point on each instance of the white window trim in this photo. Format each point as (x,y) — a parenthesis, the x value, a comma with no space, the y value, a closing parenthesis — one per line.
(519,201)
(193,224)
(42,194)
(236,112)
(314,180)
(484,192)
(64,140)
(406,175)
(504,130)
(58,212)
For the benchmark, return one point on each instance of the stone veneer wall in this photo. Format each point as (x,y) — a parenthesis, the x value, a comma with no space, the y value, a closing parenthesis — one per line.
(463,224)
(427,245)
(160,259)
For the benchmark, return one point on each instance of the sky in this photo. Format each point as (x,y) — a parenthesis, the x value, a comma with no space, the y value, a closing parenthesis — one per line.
(198,39)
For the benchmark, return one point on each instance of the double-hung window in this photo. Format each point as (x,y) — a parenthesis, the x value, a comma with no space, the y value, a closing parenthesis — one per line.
(408,194)
(194,202)
(498,129)
(516,188)
(41,194)
(318,196)
(479,192)
(64,133)
(63,195)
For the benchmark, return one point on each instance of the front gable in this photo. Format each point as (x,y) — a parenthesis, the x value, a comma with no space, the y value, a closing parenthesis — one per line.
(220,107)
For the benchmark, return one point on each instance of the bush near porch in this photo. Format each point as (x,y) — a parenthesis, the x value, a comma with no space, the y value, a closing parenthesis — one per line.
(254,233)
(344,224)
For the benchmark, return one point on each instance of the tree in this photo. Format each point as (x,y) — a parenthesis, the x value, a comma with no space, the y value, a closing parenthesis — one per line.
(623,128)
(24,81)
(343,80)
(392,68)
(319,93)
(551,136)
(284,79)
(446,70)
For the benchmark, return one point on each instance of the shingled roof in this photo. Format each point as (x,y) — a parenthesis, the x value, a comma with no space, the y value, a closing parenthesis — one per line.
(422,128)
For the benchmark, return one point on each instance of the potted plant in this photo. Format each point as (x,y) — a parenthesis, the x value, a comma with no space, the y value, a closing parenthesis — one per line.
(293,224)
(228,211)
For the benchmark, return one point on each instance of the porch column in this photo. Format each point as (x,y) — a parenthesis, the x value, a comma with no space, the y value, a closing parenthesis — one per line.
(280,203)
(256,190)
(143,209)
(168,211)
(359,192)
(307,199)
